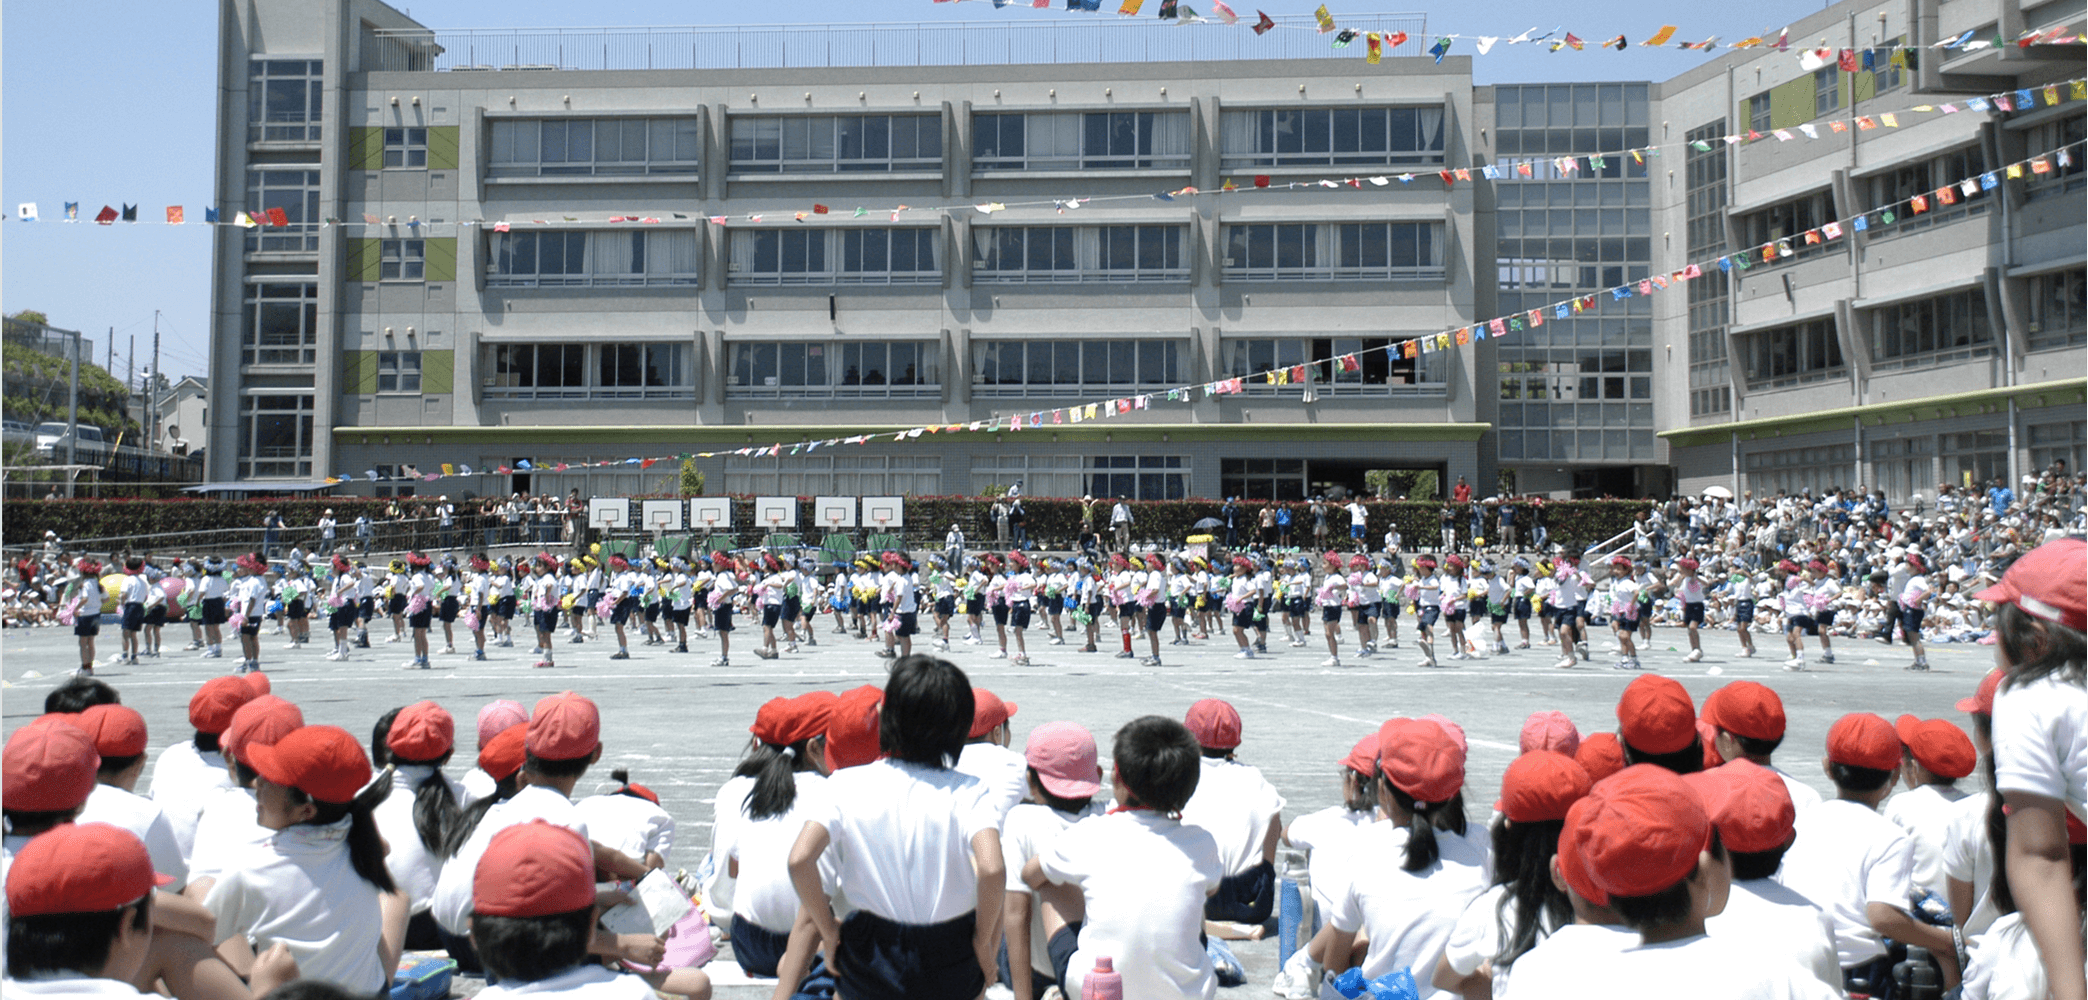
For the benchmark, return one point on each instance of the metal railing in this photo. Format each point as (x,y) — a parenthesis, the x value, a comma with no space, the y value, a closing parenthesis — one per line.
(1058,38)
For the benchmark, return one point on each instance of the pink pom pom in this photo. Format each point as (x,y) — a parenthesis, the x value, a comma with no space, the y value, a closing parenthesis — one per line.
(171,586)
(236,622)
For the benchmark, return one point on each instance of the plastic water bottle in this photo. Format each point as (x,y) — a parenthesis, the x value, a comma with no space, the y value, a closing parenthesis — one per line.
(1103,983)
(1916,977)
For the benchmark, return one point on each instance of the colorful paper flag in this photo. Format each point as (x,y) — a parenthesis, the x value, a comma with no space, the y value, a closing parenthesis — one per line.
(1225,13)
(1326,20)
(174,215)
(278,217)
(26,211)
(1660,37)
(1263,23)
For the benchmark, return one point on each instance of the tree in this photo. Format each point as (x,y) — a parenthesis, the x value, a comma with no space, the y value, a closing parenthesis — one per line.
(1391,484)
(691,478)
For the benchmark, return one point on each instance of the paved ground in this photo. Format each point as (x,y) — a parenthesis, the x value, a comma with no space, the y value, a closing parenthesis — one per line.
(679,725)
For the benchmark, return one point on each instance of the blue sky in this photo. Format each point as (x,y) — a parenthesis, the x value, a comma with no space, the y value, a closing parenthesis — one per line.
(110,101)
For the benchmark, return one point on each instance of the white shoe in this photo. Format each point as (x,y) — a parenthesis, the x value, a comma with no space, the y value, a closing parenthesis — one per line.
(999,992)
(1459,655)
(1245,654)
(1565,663)
(1695,656)
(449,650)
(1794,663)
(998,654)
(336,656)
(292,645)
(212,654)
(1331,661)
(392,640)
(971,640)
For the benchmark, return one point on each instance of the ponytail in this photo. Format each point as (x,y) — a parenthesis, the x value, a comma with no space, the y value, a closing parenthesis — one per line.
(468,818)
(1421,848)
(434,805)
(1522,855)
(365,844)
(774,770)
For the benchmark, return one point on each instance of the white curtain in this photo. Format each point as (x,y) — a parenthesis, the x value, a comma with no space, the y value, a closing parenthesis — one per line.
(672,251)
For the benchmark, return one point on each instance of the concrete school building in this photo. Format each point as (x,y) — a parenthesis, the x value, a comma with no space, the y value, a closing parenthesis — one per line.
(495,290)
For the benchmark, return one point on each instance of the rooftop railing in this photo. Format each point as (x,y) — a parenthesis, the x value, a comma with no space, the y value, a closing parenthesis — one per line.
(1070,38)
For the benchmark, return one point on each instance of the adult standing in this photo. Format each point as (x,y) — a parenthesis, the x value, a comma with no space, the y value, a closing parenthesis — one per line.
(271,533)
(1462,493)
(1319,522)
(1231,513)
(575,520)
(953,546)
(1087,519)
(2000,497)
(998,513)
(365,532)
(1120,521)
(328,528)
(1268,525)
(1018,519)
(1359,525)
(446,521)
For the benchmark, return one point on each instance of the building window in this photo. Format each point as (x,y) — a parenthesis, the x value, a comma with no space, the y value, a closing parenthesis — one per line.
(280,324)
(1759,118)
(1313,137)
(1902,467)
(2057,317)
(590,146)
(406,148)
(2066,133)
(1975,459)
(1138,477)
(2061,442)
(1261,479)
(849,368)
(283,100)
(1041,367)
(602,257)
(538,371)
(833,475)
(631,369)
(399,371)
(402,260)
(1710,303)
(275,436)
(1891,190)
(561,371)
(1807,352)
(1099,140)
(1334,251)
(1017,254)
(847,256)
(1947,328)
(296,192)
(1791,220)
(830,144)
(1826,90)
(1572,234)
(1040,475)
(1793,470)
(1376,370)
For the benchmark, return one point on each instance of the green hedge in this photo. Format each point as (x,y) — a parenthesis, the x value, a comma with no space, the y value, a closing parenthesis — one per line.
(1052,523)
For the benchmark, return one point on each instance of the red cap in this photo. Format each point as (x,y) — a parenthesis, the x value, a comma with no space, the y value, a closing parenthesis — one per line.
(323,762)
(1745,708)
(258,681)
(1655,715)
(265,720)
(1420,759)
(1600,755)
(1982,701)
(118,730)
(641,791)
(1707,738)
(1065,759)
(1644,832)
(534,869)
(1214,723)
(1573,868)
(788,721)
(1937,745)
(1748,803)
(49,766)
(1550,730)
(1362,758)
(496,717)
(2049,582)
(502,755)
(210,711)
(80,868)
(989,711)
(1861,739)
(851,737)
(565,726)
(422,731)
(1540,786)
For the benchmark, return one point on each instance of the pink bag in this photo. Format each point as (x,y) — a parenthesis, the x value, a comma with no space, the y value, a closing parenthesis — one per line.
(689,945)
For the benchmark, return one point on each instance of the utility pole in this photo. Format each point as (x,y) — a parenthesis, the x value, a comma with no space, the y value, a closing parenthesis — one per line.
(72,412)
(152,394)
(130,378)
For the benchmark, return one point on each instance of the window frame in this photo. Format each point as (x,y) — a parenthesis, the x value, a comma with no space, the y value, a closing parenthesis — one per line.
(1138,477)
(750,137)
(258,299)
(505,253)
(1245,143)
(409,151)
(402,260)
(1092,128)
(843,474)
(1797,354)
(1317,241)
(280,125)
(301,234)
(577,366)
(1154,363)
(280,461)
(2064,289)
(825,256)
(818,369)
(399,373)
(1378,372)
(1089,252)
(1912,334)
(508,138)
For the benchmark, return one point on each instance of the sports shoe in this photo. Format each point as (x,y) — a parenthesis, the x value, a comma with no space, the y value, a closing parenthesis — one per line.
(971,640)
(1245,654)
(942,645)
(292,646)
(391,640)
(1331,661)
(337,656)
(1794,663)
(887,654)
(1580,649)
(1827,658)
(413,664)
(721,662)
(1459,654)
(212,654)
(682,648)
(192,647)
(1126,655)
(790,647)
(621,654)
(1148,661)
(543,663)
(1525,644)
(1365,652)
(575,639)
(1261,648)
(478,654)
(1565,663)
(1001,654)
(1057,640)
(1747,654)
(1919,666)
(1695,656)
(449,650)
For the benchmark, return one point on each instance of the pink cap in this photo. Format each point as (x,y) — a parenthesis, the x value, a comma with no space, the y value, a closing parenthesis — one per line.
(1550,730)
(496,717)
(1065,759)
(1215,724)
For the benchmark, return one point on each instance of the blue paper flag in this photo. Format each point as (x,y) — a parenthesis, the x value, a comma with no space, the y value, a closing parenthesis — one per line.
(1438,50)
(1620,292)
(1989,181)
(1862,223)
(1725,263)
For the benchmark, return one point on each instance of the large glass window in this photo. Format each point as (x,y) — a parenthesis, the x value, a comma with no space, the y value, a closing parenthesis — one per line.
(589,371)
(1078,253)
(1975,458)
(1308,137)
(2043,140)
(1334,251)
(827,144)
(1791,220)
(280,324)
(1902,466)
(275,435)
(1138,477)
(2057,316)
(1376,370)
(296,192)
(1045,367)
(1261,479)
(1710,303)
(835,368)
(1075,141)
(1793,470)
(833,475)
(2060,442)
(1040,475)
(1807,352)
(597,146)
(847,256)
(639,367)
(283,100)
(1947,328)
(628,256)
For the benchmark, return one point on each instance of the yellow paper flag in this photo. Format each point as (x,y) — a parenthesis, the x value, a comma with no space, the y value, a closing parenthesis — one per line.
(1326,20)
(1660,37)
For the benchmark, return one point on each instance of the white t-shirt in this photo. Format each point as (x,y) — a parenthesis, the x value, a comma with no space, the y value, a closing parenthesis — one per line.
(477,785)
(1576,951)
(1803,796)
(181,779)
(1029,831)
(718,888)
(299,889)
(628,823)
(1408,915)
(452,901)
(144,819)
(1969,857)
(586,981)
(227,830)
(1235,803)
(1315,830)
(1769,918)
(1003,773)
(2004,964)
(763,893)
(1924,813)
(412,867)
(1476,937)
(905,833)
(2041,741)
(1847,857)
(69,985)
(1711,967)
(1145,878)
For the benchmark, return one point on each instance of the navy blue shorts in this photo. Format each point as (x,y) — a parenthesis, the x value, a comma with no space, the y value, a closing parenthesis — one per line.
(1454,617)
(87,625)
(1246,898)
(1802,623)
(1243,619)
(213,611)
(880,959)
(1825,617)
(678,616)
(945,606)
(623,610)
(909,623)
(1743,612)
(1693,613)
(133,617)
(545,621)
(1019,614)
(771,614)
(1330,614)
(505,607)
(1430,614)
(1155,617)
(721,618)
(1000,614)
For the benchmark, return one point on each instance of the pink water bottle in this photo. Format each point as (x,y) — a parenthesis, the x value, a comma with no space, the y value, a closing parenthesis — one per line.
(1104,983)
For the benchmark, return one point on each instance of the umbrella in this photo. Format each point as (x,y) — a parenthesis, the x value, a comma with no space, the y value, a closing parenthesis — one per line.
(1209,522)
(1719,492)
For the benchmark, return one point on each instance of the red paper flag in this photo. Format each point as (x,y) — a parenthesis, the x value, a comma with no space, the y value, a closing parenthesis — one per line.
(277,217)
(1947,195)
(1920,203)
(1350,364)
(1574,41)
(106,216)
(1261,180)
(1848,60)
(1297,374)
(648,463)
(818,209)
(1448,178)
(1263,23)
